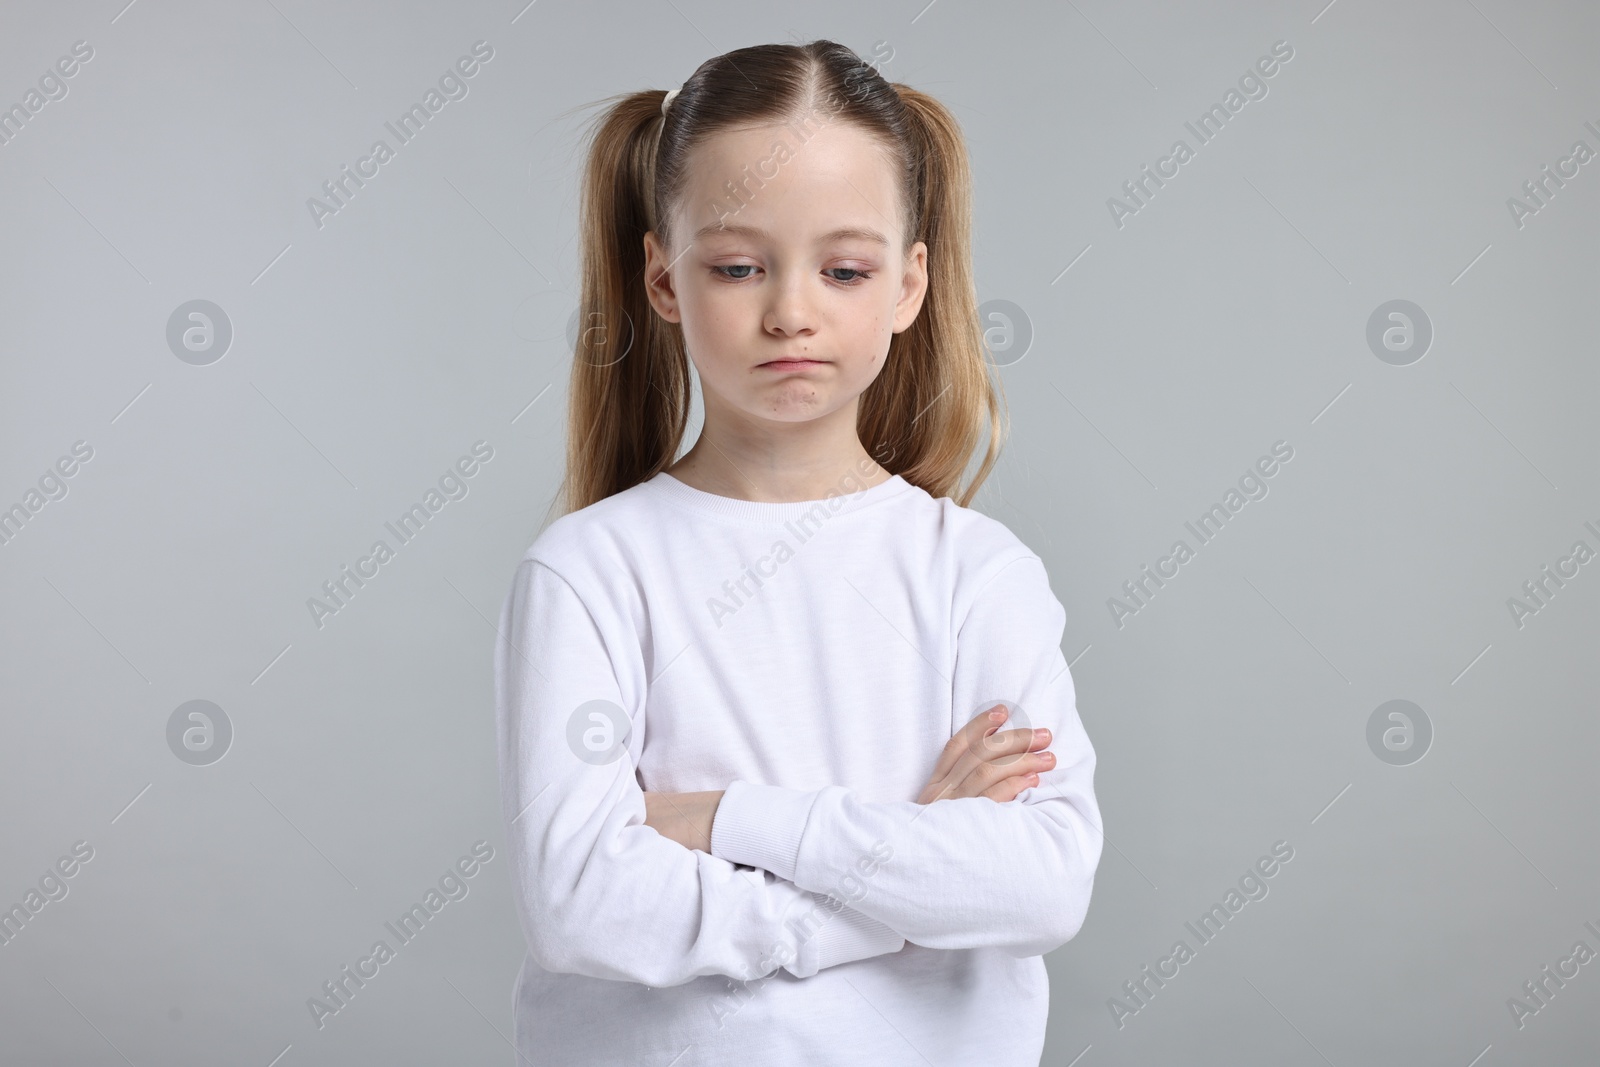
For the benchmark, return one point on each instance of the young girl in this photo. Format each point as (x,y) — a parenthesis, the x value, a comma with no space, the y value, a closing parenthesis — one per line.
(759,803)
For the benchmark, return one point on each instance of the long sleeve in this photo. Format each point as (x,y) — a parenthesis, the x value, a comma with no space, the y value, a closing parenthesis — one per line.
(969,872)
(598,892)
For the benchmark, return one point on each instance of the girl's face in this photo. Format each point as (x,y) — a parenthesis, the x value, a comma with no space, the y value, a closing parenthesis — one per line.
(789,298)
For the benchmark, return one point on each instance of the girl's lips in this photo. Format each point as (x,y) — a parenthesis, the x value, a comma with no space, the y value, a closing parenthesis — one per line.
(794,364)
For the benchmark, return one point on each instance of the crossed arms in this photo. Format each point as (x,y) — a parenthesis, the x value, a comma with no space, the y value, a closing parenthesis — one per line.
(798,879)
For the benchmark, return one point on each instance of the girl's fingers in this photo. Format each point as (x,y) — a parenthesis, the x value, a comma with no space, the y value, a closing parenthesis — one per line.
(981,758)
(989,774)
(983,779)
(1004,750)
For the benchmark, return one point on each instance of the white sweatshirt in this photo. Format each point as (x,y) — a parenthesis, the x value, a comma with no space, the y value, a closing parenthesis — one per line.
(812,659)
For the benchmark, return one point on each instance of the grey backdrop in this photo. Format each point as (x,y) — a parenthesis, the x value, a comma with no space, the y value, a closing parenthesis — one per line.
(1152,354)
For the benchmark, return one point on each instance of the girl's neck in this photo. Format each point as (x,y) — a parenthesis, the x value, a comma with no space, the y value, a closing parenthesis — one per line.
(743,478)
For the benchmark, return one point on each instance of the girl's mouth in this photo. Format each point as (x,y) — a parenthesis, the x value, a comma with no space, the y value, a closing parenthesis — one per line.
(793,364)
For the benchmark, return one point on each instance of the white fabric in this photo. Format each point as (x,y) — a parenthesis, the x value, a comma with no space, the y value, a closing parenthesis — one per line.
(812,659)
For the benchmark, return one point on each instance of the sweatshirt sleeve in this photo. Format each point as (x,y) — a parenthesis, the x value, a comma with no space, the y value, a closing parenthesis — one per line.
(598,892)
(968,872)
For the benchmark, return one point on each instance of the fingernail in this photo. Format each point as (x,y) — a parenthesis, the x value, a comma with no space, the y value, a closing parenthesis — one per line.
(1041,734)
(997,714)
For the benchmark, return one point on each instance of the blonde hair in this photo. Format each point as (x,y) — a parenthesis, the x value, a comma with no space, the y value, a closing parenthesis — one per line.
(629,397)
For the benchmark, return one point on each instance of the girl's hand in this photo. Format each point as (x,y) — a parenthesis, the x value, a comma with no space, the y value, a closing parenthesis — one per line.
(979,762)
(684,817)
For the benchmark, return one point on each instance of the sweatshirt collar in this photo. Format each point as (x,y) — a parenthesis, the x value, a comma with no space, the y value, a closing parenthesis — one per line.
(766,512)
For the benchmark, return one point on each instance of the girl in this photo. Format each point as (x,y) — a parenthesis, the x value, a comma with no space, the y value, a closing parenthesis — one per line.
(759,806)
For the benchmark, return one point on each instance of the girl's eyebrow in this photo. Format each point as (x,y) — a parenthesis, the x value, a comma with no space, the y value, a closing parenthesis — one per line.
(841,234)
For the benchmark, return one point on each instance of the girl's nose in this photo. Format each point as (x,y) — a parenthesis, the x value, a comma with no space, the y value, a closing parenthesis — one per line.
(790,311)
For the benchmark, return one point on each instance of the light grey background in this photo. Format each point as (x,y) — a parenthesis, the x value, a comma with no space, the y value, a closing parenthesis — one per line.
(369,354)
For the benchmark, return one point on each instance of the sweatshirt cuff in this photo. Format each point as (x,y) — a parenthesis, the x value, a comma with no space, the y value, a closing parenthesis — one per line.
(761,825)
(850,935)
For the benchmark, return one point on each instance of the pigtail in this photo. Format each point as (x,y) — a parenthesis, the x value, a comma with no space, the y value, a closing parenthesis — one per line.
(629,392)
(924,417)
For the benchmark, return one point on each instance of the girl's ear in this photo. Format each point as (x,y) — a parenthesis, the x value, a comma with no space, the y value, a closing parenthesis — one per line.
(658,285)
(913,286)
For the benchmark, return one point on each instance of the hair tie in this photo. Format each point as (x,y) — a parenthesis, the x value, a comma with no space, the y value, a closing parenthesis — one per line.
(667,100)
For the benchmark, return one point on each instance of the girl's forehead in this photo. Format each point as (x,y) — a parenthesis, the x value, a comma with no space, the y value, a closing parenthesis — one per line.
(766,182)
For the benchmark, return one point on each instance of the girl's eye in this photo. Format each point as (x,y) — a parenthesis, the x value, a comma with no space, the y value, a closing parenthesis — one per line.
(860,275)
